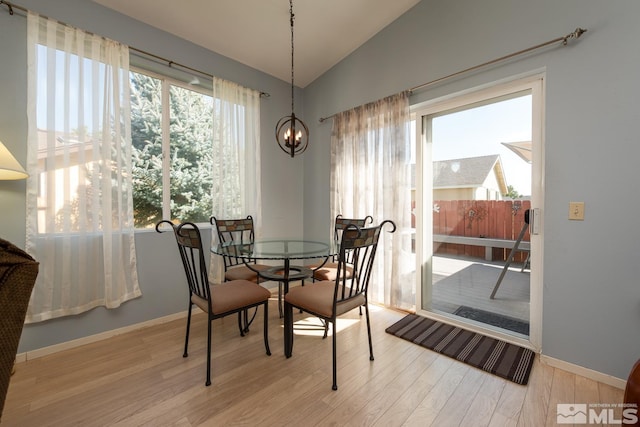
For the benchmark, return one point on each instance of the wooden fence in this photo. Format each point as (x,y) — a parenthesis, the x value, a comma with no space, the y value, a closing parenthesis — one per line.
(493,219)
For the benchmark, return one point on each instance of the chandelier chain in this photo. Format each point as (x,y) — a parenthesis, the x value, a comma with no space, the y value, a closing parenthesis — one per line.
(291,20)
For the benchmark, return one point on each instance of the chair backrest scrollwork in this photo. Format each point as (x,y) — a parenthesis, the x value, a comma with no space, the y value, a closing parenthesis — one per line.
(234,231)
(192,255)
(358,248)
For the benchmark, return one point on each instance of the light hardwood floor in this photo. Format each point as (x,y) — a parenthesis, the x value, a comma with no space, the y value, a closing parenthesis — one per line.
(141,379)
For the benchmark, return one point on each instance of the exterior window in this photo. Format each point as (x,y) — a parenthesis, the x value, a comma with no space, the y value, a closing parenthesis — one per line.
(171,128)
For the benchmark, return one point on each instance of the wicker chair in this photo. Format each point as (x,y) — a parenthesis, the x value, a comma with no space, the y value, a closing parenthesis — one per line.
(632,392)
(18,272)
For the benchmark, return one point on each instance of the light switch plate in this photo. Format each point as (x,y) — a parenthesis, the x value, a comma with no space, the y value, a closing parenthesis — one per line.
(576,211)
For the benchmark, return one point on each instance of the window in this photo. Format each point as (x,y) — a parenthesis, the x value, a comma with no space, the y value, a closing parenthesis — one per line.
(196,148)
(111,149)
(172,132)
(79,221)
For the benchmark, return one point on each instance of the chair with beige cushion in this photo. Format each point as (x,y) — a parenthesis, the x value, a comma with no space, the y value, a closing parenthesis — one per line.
(235,268)
(329,299)
(238,231)
(217,300)
(18,272)
(328,269)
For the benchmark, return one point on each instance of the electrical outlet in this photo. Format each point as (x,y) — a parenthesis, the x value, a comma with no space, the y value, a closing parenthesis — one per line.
(576,211)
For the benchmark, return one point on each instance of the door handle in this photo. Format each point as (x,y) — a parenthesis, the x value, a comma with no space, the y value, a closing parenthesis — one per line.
(534,221)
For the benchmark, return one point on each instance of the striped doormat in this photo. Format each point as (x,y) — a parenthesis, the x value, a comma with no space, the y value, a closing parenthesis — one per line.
(505,360)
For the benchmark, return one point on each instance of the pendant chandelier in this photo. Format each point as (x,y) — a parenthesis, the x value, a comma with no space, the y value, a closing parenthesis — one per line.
(291,132)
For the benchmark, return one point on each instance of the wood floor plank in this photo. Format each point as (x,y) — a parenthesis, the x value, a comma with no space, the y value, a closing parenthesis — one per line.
(391,394)
(415,392)
(454,411)
(141,379)
(370,382)
(436,399)
(509,405)
(484,403)
(562,392)
(536,402)
(586,390)
(611,397)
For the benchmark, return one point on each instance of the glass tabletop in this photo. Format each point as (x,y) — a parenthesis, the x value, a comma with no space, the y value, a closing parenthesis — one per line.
(277,249)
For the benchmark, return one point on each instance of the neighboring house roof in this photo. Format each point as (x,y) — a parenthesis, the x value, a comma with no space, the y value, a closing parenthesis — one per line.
(468,172)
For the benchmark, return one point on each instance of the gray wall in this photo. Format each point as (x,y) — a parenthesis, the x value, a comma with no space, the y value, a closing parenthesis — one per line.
(591,294)
(160,273)
(591,268)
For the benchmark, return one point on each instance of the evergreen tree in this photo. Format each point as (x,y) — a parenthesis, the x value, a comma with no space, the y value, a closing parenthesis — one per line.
(190,155)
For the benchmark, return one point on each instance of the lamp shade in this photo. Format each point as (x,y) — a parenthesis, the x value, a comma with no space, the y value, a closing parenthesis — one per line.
(9,166)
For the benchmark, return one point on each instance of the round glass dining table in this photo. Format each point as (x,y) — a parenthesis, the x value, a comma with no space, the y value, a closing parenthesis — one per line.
(283,250)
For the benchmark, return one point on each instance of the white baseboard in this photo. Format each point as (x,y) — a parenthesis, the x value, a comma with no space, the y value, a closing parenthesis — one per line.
(585,372)
(40,352)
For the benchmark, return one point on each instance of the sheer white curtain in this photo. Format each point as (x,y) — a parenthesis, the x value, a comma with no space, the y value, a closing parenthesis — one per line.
(79,203)
(371,172)
(236,144)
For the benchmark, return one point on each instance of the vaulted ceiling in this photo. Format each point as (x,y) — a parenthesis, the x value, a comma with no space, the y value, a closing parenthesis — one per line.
(257,33)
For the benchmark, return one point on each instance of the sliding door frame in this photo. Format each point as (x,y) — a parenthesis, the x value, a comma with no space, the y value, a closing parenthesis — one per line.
(424,218)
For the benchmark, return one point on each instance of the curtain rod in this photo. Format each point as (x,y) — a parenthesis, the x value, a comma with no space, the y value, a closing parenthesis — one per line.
(176,64)
(170,63)
(565,39)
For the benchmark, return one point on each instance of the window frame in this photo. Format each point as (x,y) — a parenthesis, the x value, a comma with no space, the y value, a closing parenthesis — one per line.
(205,87)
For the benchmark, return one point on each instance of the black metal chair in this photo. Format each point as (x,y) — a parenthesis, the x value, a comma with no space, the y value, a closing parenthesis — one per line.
(217,300)
(329,299)
(242,231)
(328,269)
(235,268)
(238,231)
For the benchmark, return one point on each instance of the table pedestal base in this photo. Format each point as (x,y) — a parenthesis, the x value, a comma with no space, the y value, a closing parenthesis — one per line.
(283,275)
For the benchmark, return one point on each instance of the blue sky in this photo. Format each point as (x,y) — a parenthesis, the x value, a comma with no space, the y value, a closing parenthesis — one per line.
(480,131)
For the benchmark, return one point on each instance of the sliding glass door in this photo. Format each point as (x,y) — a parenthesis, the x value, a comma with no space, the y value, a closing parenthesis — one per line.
(477,194)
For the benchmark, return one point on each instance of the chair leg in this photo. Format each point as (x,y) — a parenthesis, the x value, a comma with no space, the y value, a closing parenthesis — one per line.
(186,335)
(288,329)
(240,324)
(208,382)
(280,299)
(335,354)
(366,310)
(266,327)
(302,285)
